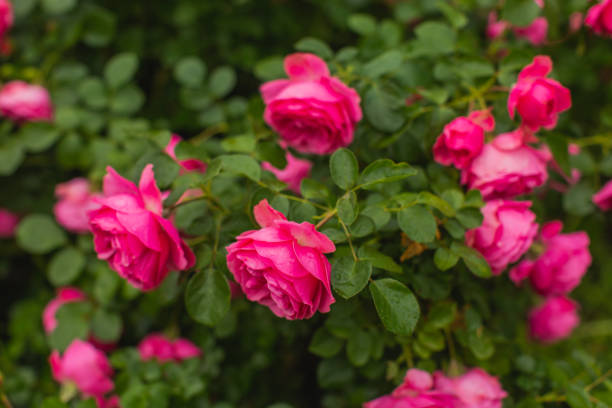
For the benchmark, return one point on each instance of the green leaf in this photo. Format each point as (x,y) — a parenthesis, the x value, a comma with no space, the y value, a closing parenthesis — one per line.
(384,171)
(348,277)
(241,143)
(72,323)
(472,259)
(242,164)
(127,101)
(58,6)
(520,12)
(11,156)
(38,136)
(432,200)
(39,234)
(558,146)
(481,345)
(106,326)
(120,69)
(382,110)
(470,217)
(578,199)
(347,208)
(190,71)
(577,397)
(418,223)
(445,259)
(98,27)
(272,153)
(222,81)
(53,402)
(362,226)
(93,92)
(208,297)
(442,315)
(397,307)
(312,190)
(384,63)
(344,168)
(324,344)
(358,348)
(432,339)
(363,24)
(65,266)
(454,16)
(434,39)
(270,68)
(379,260)
(314,45)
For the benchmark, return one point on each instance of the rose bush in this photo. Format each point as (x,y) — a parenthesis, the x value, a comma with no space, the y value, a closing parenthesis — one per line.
(371,203)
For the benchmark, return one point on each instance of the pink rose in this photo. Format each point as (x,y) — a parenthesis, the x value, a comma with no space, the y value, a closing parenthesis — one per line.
(159,347)
(475,389)
(506,168)
(23,102)
(554,320)
(312,111)
(575,21)
(462,139)
(495,27)
(85,366)
(603,198)
(535,32)
(599,18)
(506,233)
(131,234)
(539,3)
(64,295)
(282,265)
(293,174)
(75,202)
(565,260)
(6,16)
(538,99)
(416,391)
(188,164)
(8,223)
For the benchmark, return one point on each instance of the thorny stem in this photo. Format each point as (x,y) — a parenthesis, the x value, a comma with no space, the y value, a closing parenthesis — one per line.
(598,381)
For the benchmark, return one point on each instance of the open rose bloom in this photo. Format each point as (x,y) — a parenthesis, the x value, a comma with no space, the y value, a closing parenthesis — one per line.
(293,174)
(506,168)
(462,139)
(85,366)
(131,234)
(475,389)
(535,33)
(312,111)
(599,18)
(158,347)
(554,320)
(506,233)
(538,99)
(560,268)
(23,102)
(282,265)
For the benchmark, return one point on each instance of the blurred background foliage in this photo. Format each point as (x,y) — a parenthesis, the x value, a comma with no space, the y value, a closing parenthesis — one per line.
(124,73)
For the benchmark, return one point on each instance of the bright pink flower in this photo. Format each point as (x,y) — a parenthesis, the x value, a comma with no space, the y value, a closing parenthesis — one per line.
(538,99)
(131,234)
(282,265)
(475,389)
(565,260)
(312,111)
(554,320)
(23,102)
(6,16)
(85,366)
(75,202)
(159,347)
(188,164)
(64,295)
(521,271)
(293,174)
(416,392)
(462,139)
(599,18)
(539,3)
(603,198)
(8,223)
(495,27)
(506,168)
(535,32)
(575,21)
(506,233)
